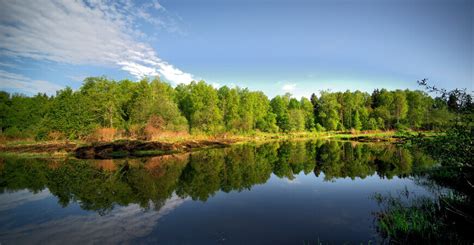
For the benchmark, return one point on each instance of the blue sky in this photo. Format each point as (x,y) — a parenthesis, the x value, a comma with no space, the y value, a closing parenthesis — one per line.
(274,46)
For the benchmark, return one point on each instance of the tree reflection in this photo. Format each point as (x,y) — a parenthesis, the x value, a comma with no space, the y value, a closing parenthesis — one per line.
(99,185)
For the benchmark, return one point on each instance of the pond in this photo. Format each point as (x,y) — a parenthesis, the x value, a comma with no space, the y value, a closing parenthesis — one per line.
(293,192)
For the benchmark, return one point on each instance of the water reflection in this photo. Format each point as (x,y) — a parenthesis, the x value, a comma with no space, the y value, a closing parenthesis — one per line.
(283,192)
(101,185)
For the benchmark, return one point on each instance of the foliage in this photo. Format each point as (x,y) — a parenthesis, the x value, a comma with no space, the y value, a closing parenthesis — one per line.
(199,103)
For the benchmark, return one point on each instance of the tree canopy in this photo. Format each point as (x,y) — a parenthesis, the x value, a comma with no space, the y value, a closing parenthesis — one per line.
(133,107)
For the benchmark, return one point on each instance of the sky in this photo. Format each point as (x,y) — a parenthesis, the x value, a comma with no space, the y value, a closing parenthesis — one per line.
(275,46)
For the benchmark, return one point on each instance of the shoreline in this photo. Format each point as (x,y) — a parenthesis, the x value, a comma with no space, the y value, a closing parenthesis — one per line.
(135,148)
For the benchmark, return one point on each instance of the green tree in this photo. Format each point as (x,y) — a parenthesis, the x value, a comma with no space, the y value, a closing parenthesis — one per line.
(102,96)
(372,124)
(418,105)
(296,120)
(279,106)
(156,98)
(356,121)
(399,105)
(308,113)
(71,114)
(382,104)
(200,104)
(328,111)
(229,104)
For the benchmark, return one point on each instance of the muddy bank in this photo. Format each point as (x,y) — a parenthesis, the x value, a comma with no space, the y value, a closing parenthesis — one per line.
(139,148)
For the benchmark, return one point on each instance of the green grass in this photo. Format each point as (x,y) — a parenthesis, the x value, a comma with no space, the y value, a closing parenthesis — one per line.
(413,221)
(407,220)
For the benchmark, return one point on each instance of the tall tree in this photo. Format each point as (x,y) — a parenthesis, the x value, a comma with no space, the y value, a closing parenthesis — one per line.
(357,123)
(229,103)
(71,114)
(328,110)
(200,104)
(308,112)
(102,96)
(279,106)
(156,99)
(399,105)
(382,102)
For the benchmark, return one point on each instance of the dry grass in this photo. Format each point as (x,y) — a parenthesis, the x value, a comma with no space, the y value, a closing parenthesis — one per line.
(55,136)
(103,135)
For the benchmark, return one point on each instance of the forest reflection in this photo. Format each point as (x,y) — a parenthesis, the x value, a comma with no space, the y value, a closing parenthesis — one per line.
(99,185)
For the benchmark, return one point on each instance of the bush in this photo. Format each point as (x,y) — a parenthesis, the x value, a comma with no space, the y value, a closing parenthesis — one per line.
(372,124)
(401,127)
(320,128)
(41,134)
(402,130)
(15,133)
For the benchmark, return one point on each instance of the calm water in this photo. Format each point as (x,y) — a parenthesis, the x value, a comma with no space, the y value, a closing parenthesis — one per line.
(277,193)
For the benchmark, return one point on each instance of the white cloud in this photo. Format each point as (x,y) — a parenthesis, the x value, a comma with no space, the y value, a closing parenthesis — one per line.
(289,87)
(98,32)
(138,70)
(19,82)
(173,74)
(158,6)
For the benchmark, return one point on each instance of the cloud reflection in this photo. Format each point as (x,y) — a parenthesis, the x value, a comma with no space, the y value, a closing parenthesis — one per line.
(121,225)
(15,199)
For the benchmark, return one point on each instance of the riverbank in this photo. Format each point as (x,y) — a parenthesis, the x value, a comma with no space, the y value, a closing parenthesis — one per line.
(135,148)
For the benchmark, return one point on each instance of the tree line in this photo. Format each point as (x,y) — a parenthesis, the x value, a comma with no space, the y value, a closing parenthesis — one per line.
(135,107)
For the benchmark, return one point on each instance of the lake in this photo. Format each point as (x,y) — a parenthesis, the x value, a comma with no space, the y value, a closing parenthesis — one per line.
(294,192)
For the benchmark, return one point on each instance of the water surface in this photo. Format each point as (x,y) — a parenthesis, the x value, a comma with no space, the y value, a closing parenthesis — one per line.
(274,193)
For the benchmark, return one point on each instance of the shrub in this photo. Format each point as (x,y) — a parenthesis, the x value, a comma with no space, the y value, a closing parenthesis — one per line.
(372,124)
(320,128)
(15,133)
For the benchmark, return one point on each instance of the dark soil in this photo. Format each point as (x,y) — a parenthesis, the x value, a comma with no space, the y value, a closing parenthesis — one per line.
(136,148)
